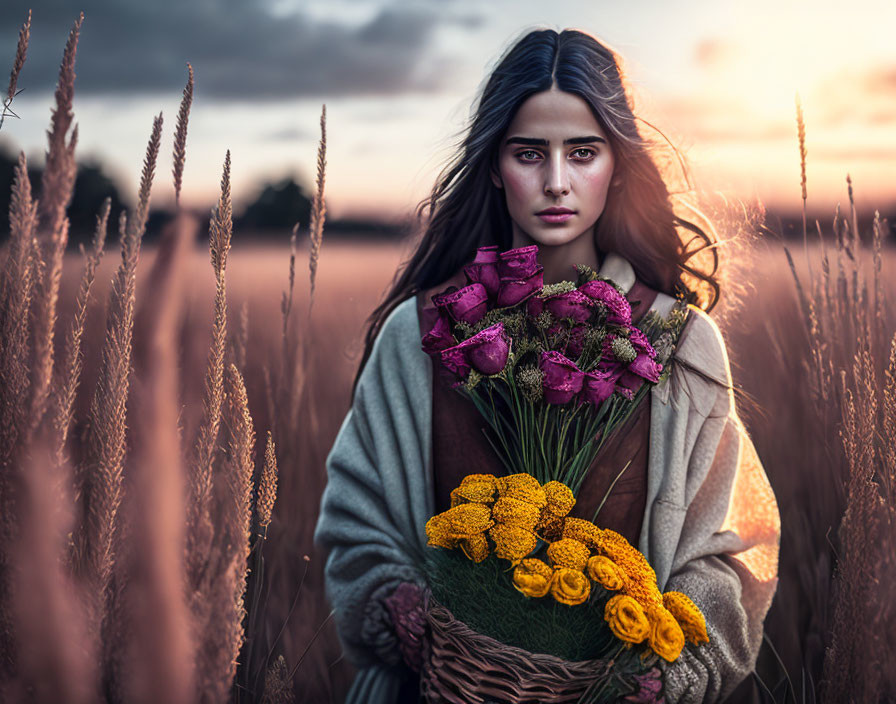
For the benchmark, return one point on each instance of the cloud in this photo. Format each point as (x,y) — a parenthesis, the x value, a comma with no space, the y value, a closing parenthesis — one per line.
(239,50)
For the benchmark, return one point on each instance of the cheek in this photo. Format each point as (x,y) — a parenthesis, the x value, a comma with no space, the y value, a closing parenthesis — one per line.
(596,183)
(518,185)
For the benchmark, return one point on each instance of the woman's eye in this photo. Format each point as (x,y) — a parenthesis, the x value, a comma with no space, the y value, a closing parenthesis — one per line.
(583,153)
(528,155)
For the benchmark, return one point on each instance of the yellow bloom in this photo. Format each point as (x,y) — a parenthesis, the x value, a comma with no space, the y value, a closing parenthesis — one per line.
(524,487)
(550,526)
(512,542)
(569,552)
(469,519)
(687,614)
(641,578)
(581,530)
(666,638)
(570,586)
(515,512)
(533,577)
(475,547)
(438,531)
(606,573)
(627,619)
(559,497)
(475,488)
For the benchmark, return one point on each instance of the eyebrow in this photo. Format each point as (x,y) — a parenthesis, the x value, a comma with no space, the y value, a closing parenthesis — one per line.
(529,141)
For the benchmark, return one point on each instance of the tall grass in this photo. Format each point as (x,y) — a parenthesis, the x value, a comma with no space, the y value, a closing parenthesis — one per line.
(143,546)
(126,555)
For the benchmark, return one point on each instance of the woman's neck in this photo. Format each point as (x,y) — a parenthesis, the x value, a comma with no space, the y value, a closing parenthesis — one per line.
(559,260)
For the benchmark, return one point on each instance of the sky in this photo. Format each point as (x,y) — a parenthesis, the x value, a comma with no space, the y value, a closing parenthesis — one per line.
(399,77)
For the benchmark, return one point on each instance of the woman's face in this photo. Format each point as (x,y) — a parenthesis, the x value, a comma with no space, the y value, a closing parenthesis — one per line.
(554,157)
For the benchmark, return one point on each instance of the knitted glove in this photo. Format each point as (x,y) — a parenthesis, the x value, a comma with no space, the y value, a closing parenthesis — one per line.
(650,689)
(407,609)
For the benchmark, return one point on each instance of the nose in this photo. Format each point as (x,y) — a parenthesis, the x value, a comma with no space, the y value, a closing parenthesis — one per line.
(556,181)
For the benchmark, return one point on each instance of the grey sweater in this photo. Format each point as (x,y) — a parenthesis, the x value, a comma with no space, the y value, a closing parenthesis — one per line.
(711,527)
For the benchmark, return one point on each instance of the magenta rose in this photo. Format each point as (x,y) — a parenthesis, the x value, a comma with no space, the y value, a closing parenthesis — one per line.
(514,291)
(576,342)
(619,310)
(598,386)
(518,263)
(534,306)
(439,337)
(486,352)
(571,304)
(646,368)
(467,304)
(484,270)
(562,378)
(641,343)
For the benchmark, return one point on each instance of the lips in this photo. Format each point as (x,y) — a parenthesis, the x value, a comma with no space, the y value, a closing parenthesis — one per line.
(554,210)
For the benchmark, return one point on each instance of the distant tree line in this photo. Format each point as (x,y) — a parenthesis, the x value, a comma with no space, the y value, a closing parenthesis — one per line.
(277,207)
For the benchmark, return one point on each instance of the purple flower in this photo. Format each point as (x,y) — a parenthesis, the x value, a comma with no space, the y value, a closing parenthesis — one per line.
(518,263)
(439,337)
(562,378)
(535,306)
(646,368)
(467,304)
(619,310)
(571,304)
(514,291)
(484,270)
(486,352)
(641,343)
(576,342)
(598,386)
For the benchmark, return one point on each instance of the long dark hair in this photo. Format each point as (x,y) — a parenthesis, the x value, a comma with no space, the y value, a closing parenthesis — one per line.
(466,210)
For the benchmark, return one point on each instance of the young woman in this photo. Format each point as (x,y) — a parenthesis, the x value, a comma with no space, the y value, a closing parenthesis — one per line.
(553,157)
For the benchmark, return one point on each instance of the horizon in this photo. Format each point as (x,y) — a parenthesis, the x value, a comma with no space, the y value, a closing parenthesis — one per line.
(397,101)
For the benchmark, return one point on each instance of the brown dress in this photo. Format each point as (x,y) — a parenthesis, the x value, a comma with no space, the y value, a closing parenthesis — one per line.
(459,448)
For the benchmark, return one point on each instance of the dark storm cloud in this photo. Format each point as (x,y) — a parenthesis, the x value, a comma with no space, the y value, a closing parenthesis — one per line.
(239,50)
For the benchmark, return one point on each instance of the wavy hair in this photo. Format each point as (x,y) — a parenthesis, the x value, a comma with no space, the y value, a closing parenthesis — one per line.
(465,210)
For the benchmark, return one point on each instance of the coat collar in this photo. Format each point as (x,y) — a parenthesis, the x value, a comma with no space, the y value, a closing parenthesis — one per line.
(617,268)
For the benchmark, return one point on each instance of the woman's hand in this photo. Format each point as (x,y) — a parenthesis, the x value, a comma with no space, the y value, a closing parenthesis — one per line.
(407,607)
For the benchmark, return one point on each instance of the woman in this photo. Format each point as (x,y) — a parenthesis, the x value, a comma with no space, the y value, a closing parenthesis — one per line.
(553,157)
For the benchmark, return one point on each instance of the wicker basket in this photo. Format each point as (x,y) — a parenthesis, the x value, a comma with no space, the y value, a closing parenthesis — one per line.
(462,666)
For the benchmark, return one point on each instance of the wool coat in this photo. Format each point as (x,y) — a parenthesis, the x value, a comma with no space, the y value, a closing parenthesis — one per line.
(711,526)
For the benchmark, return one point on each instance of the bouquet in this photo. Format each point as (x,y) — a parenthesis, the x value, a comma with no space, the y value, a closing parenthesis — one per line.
(554,370)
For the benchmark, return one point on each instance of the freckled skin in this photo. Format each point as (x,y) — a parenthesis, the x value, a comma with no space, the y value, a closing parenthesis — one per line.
(574,176)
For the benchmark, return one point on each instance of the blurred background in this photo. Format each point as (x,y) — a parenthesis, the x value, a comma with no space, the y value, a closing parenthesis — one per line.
(718,79)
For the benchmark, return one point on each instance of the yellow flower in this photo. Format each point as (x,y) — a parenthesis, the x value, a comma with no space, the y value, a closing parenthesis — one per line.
(512,542)
(606,573)
(570,586)
(666,638)
(533,577)
(438,531)
(475,488)
(475,547)
(627,619)
(687,614)
(569,552)
(581,530)
(515,512)
(469,519)
(550,526)
(524,487)
(641,578)
(559,497)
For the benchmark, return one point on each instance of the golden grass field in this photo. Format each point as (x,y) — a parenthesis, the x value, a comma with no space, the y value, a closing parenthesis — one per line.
(767,346)
(137,559)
